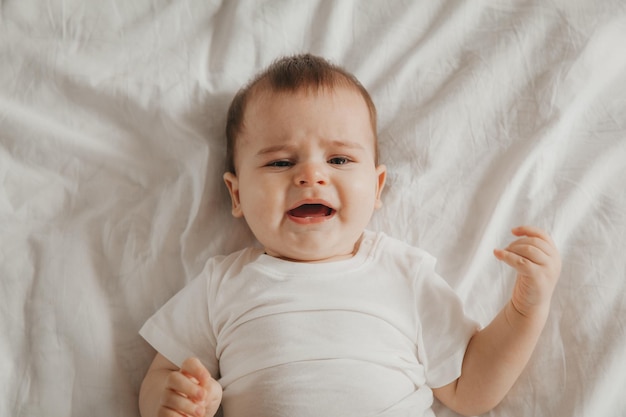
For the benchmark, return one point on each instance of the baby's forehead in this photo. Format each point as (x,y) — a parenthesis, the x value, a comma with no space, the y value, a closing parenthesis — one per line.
(277,115)
(336,111)
(260,98)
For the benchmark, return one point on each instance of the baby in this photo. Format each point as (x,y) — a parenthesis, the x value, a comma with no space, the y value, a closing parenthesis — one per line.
(326,318)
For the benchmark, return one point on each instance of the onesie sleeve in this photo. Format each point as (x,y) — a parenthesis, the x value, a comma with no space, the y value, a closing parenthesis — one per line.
(444,330)
(182,327)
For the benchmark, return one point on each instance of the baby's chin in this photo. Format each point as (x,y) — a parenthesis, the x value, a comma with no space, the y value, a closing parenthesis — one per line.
(314,244)
(319,256)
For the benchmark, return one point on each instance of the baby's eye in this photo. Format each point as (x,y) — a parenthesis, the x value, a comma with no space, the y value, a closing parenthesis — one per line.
(338,160)
(281,163)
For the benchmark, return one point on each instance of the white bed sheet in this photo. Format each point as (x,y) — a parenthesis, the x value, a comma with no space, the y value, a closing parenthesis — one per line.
(492,114)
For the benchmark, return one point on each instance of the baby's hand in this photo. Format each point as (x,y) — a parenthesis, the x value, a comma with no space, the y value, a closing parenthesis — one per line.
(191,391)
(538,264)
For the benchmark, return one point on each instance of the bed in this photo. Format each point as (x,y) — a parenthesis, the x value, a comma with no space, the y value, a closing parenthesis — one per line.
(491,114)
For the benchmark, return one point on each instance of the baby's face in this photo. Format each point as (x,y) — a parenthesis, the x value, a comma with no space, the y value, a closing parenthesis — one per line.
(307,183)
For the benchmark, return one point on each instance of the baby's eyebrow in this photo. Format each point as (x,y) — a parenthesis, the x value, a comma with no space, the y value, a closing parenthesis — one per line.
(289,148)
(348,144)
(275,148)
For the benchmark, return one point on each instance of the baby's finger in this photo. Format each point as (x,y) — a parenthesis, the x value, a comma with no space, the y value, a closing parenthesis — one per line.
(518,262)
(534,249)
(181,384)
(181,405)
(532,231)
(193,368)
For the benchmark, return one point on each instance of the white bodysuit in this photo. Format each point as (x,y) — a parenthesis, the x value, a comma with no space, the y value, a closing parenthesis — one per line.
(366,336)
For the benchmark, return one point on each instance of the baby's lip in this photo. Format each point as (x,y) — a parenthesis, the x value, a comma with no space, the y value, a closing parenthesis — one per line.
(311,210)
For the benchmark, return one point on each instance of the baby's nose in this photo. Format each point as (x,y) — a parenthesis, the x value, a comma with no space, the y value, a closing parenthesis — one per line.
(311,174)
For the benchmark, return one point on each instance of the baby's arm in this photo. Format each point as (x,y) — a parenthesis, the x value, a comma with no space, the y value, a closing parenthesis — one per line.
(169,391)
(496,355)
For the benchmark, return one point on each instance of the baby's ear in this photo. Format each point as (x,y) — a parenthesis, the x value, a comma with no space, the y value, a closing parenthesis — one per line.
(381,172)
(232,183)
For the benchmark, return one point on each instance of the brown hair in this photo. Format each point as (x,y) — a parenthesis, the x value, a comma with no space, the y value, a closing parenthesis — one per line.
(291,74)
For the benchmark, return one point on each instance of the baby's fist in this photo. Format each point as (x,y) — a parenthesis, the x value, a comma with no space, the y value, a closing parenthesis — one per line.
(538,264)
(208,395)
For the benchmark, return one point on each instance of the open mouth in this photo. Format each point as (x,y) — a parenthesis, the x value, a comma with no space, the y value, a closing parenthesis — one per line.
(307,211)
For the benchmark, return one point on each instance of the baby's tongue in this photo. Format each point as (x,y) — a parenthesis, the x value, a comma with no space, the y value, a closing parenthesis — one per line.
(310,210)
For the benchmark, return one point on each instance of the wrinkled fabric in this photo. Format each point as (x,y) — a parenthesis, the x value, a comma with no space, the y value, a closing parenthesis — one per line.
(491,114)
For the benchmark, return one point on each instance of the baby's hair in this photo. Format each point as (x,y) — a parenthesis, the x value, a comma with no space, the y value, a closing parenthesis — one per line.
(291,74)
